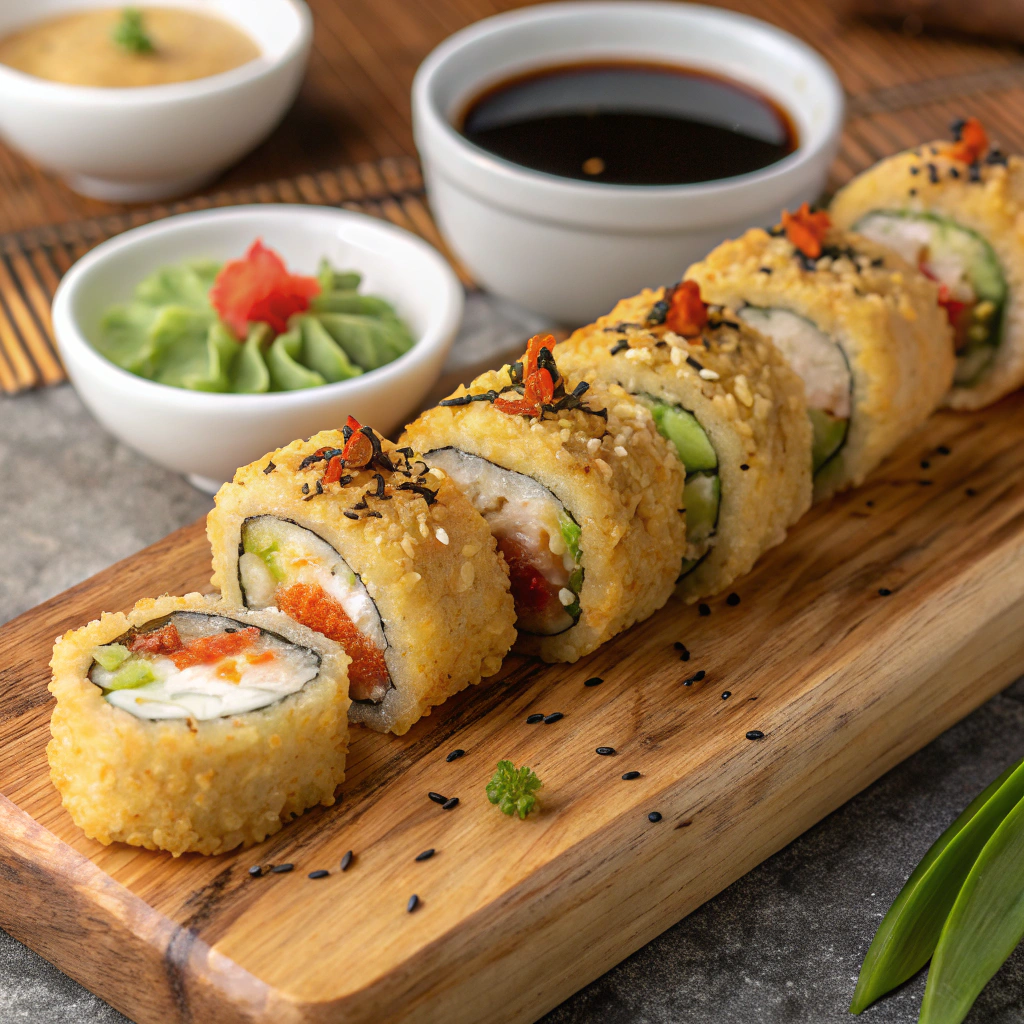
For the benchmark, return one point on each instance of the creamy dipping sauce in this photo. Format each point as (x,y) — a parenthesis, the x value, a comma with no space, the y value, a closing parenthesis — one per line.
(79,49)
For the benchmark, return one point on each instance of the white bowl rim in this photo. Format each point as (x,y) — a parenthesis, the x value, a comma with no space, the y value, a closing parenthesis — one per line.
(516,175)
(444,320)
(172,92)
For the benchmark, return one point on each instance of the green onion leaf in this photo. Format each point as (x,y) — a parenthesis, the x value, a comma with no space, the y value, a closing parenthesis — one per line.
(983,928)
(908,935)
(130,33)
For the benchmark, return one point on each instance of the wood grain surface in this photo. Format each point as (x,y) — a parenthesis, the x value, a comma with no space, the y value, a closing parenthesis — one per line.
(514,916)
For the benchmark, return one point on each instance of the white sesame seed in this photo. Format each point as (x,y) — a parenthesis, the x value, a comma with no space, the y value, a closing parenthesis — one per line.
(593,445)
(566,596)
(470,549)
(620,451)
(707,374)
(441,534)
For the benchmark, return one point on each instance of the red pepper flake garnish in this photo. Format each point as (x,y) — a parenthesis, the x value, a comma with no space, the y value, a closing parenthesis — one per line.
(538,384)
(959,314)
(806,230)
(208,649)
(972,143)
(259,288)
(165,640)
(314,607)
(333,473)
(687,312)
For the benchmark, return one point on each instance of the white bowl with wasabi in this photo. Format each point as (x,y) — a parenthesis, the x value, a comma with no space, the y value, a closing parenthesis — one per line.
(368,316)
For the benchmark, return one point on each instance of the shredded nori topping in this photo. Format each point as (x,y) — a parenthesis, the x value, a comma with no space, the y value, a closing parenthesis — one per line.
(305,488)
(425,492)
(269,468)
(618,347)
(487,396)
(659,311)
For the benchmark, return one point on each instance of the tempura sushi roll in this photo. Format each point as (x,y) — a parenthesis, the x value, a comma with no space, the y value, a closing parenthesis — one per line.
(189,726)
(375,549)
(862,328)
(956,211)
(580,490)
(731,407)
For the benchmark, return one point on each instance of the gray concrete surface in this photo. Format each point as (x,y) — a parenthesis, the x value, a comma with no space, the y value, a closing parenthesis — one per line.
(781,946)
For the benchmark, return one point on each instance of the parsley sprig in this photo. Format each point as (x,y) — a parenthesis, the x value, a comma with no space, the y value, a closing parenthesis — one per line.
(130,33)
(512,789)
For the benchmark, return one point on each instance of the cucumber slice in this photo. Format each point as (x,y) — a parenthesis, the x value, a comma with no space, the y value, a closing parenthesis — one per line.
(829,435)
(133,675)
(686,434)
(703,496)
(111,656)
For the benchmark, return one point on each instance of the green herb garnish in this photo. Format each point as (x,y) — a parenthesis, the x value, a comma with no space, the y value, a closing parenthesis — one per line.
(512,789)
(130,33)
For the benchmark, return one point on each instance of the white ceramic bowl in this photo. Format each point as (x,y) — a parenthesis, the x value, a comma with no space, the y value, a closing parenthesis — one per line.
(570,249)
(207,436)
(153,142)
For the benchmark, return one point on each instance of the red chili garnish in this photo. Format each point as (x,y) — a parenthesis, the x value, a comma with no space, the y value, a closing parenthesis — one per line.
(259,288)
(165,640)
(972,144)
(208,649)
(687,312)
(314,607)
(358,450)
(806,230)
(333,473)
(538,384)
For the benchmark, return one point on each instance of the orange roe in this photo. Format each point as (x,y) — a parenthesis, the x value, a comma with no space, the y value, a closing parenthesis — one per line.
(314,607)
(806,230)
(259,289)
(165,640)
(972,144)
(228,671)
(687,312)
(208,649)
(260,659)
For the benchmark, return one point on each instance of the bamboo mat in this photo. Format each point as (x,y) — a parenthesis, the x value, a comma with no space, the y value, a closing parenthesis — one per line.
(348,140)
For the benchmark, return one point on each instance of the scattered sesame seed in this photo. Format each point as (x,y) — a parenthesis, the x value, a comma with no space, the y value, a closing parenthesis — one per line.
(425,855)
(414,902)
(629,776)
(441,535)
(913,192)
(604,751)
(765,270)
(926,483)
(437,798)
(954,173)
(727,694)
(318,874)
(970,492)
(593,681)
(732,600)
(703,609)
(755,734)
(455,754)
(695,678)
(925,464)
(870,504)
(943,449)
(933,174)
(654,816)
(744,467)
(450,805)
(884,591)
(282,869)
(256,871)
(534,719)
(915,169)
(566,597)
(555,716)
(707,374)
(346,860)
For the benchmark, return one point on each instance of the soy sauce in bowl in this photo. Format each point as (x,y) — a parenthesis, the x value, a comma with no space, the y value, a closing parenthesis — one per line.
(630,124)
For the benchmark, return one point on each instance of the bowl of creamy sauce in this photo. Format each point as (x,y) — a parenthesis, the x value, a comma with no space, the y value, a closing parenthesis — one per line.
(147,101)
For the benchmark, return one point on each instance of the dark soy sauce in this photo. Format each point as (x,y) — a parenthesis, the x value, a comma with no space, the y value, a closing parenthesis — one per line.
(630,124)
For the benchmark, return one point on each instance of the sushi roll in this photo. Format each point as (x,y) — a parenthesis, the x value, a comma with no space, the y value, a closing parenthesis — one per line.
(578,487)
(732,409)
(189,726)
(956,211)
(375,549)
(861,326)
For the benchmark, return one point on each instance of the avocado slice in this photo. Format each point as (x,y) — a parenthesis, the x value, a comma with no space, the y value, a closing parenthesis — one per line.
(687,435)
(829,436)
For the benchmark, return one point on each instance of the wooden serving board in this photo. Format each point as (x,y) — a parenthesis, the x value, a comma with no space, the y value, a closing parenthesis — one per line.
(514,916)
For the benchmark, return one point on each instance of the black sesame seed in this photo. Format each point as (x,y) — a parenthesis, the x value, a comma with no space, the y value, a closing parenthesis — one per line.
(455,755)
(685,656)
(970,492)
(915,169)
(695,678)
(282,869)
(943,449)
(425,855)
(605,751)
(954,173)
(732,600)
(884,591)
(755,734)
(913,192)
(318,874)
(744,466)
(451,804)
(933,174)
(926,483)
(437,798)
(629,776)
(346,861)
(593,681)
(305,488)
(703,609)
(974,172)
(256,871)
(555,716)
(727,694)
(765,270)
(534,719)
(870,504)
(350,515)
(654,816)
(414,902)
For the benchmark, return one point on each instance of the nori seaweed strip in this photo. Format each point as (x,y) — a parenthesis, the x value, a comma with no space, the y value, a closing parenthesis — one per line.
(378,456)
(425,492)
(269,468)
(487,396)
(619,347)
(658,313)
(691,362)
(379,493)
